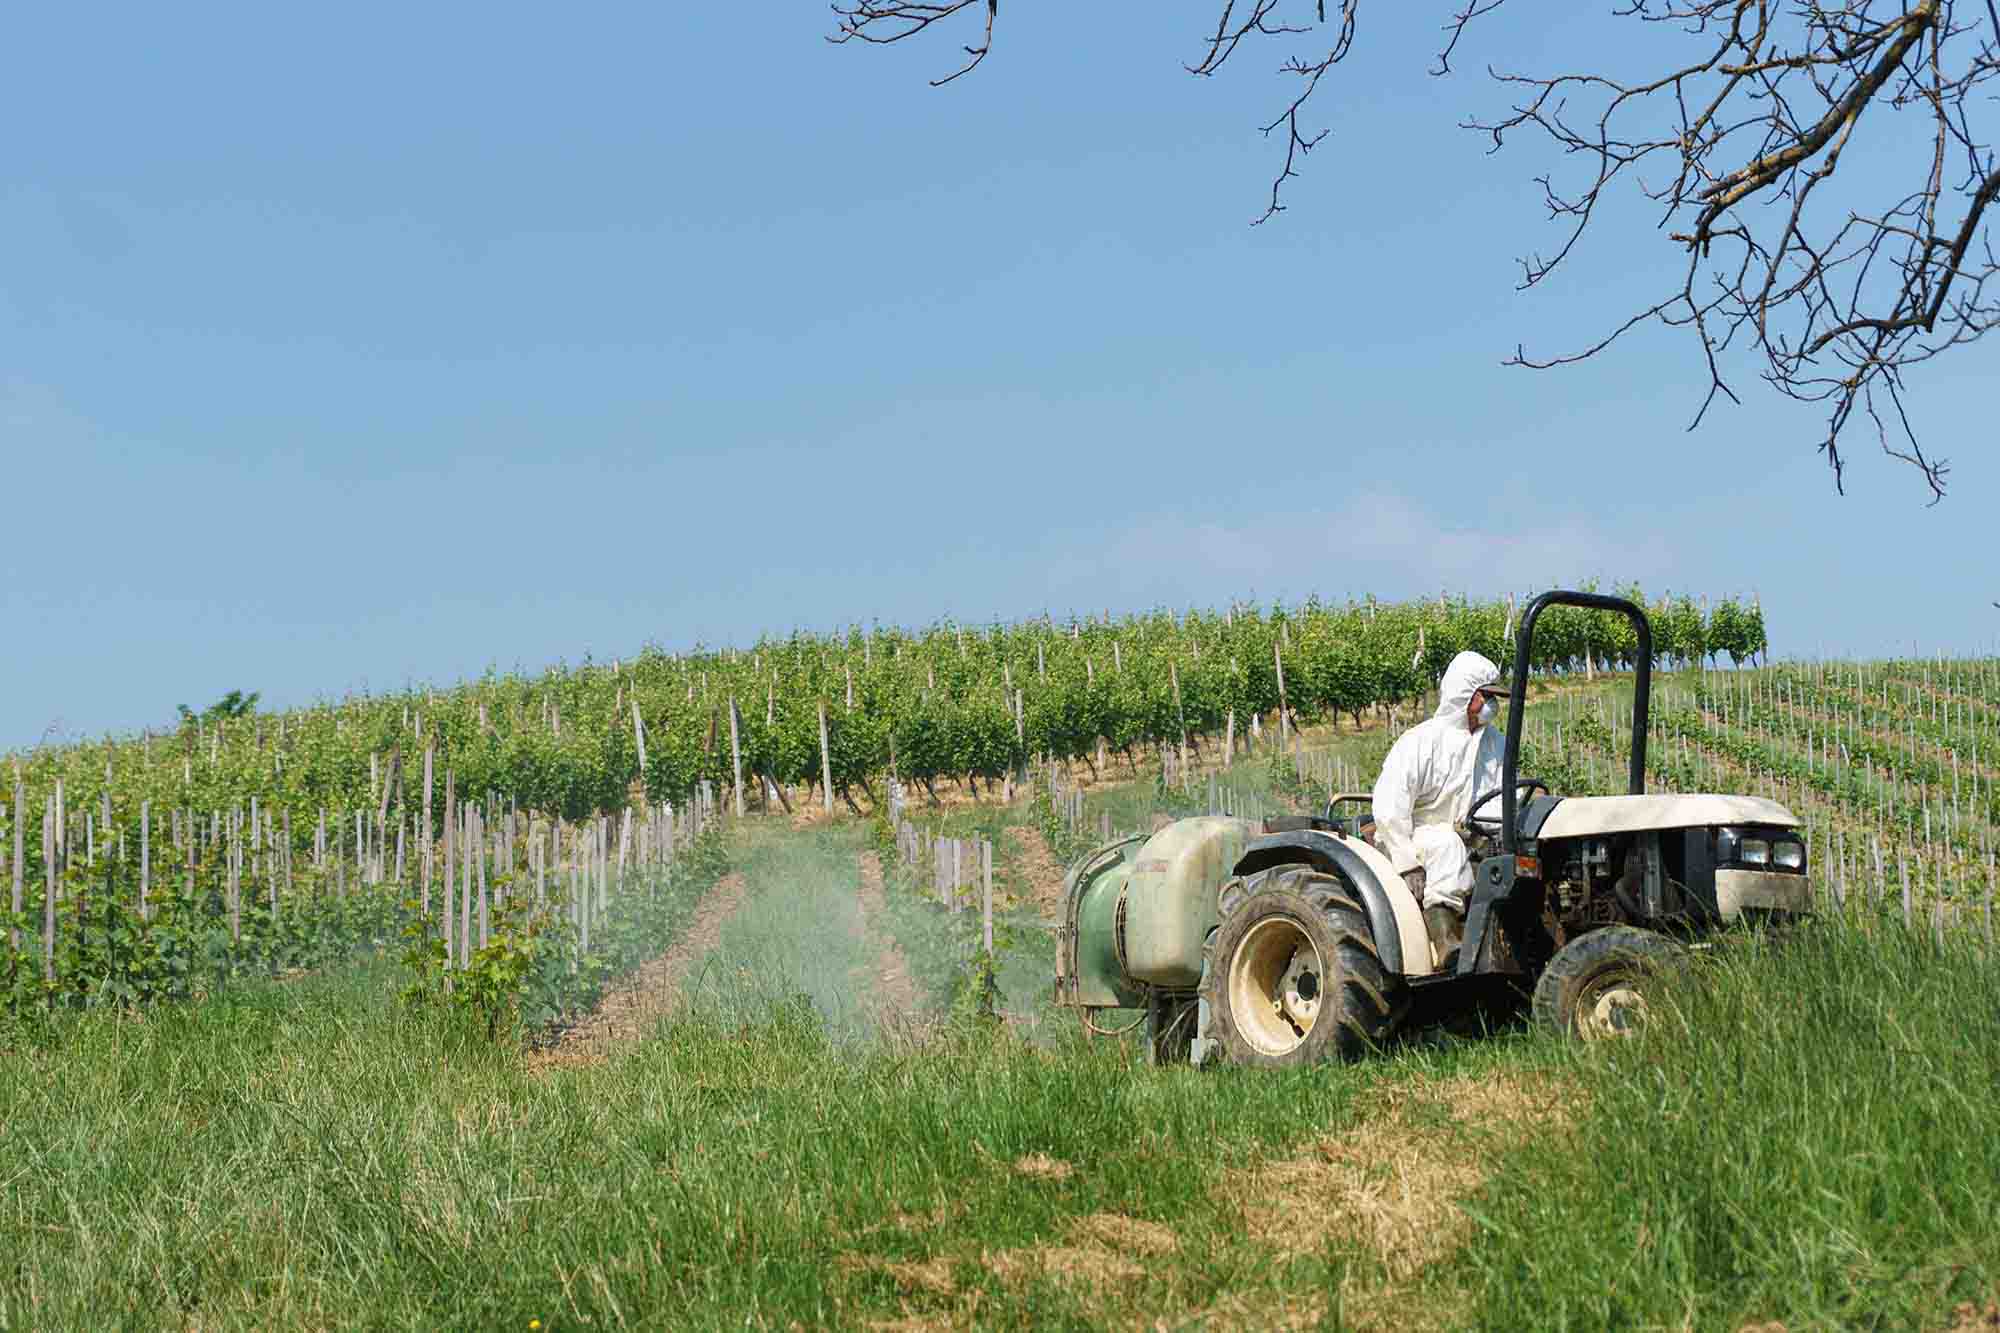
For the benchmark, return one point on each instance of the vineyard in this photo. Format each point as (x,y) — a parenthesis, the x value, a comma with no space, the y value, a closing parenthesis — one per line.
(835,715)
(780,1145)
(265,843)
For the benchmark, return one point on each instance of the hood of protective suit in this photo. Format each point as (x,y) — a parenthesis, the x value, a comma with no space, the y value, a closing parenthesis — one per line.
(1466,674)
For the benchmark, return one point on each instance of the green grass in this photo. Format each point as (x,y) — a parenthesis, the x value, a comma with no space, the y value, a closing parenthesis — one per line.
(315,1155)
(1808,1136)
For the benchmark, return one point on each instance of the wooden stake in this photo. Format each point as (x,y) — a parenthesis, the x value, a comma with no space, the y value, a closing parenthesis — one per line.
(825,762)
(235,857)
(1174,674)
(1903,872)
(449,883)
(736,754)
(467,852)
(20,821)
(484,894)
(271,870)
(1284,710)
(986,894)
(1989,905)
(639,732)
(51,850)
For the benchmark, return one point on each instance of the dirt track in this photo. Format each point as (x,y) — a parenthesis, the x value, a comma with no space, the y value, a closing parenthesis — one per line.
(1039,878)
(893,996)
(649,994)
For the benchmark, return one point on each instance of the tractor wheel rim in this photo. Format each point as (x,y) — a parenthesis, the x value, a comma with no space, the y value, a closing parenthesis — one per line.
(1618,1010)
(1275,980)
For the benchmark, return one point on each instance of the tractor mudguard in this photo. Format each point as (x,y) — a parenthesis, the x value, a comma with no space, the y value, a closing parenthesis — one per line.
(1329,853)
(1538,810)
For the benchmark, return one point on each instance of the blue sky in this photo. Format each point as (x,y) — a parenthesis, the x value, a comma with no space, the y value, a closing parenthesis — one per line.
(344,351)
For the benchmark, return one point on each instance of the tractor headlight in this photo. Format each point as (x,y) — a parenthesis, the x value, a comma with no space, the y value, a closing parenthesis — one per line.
(1760,849)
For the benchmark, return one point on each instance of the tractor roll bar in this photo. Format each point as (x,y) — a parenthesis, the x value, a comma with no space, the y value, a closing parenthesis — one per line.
(1642,690)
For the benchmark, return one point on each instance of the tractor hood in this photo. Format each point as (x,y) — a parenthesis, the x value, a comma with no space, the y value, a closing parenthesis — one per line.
(1581,816)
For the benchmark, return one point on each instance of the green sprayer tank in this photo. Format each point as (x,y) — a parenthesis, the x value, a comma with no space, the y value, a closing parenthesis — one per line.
(1138,911)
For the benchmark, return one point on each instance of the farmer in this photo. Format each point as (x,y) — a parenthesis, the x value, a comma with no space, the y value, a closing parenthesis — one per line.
(1428,783)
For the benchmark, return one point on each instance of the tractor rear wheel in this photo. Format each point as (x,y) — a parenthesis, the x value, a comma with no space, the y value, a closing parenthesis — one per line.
(1603,984)
(1293,976)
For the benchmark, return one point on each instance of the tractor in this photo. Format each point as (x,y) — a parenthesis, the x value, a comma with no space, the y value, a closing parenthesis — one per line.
(1293,940)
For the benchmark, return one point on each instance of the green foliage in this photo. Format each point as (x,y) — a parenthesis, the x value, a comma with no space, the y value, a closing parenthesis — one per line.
(234,704)
(942,702)
(106,954)
(882,835)
(531,971)
(492,983)
(1063,845)
(1564,774)
(1736,631)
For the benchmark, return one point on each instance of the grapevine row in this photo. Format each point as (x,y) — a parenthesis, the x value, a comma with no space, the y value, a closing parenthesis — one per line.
(838,713)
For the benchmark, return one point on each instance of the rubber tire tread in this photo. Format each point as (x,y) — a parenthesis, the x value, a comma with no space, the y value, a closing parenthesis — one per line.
(1361,1007)
(1644,954)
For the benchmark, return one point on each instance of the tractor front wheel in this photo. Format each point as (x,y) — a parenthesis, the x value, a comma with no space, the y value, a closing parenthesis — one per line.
(1293,977)
(1605,984)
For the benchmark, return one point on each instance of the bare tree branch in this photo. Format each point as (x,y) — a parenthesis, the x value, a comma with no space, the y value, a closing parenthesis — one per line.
(882,22)
(1837,297)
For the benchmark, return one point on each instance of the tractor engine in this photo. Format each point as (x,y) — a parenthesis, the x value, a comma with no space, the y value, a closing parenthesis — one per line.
(1688,876)
(1604,881)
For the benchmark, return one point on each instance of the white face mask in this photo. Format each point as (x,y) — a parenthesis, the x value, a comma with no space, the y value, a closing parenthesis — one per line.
(1486,712)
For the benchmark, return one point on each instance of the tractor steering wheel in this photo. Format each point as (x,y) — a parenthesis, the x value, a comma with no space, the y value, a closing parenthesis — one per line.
(1528,785)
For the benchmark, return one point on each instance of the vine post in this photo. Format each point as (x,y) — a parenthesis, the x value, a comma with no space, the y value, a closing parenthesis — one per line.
(1284,706)
(424,842)
(736,751)
(20,819)
(50,851)
(825,762)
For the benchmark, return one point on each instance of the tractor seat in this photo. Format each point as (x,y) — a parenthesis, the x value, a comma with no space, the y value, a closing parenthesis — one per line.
(1303,824)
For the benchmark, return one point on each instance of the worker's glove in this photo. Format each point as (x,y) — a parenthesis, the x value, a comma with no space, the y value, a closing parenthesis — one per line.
(1415,879)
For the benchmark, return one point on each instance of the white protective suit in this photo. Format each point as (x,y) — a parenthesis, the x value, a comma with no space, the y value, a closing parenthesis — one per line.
(1429,780)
